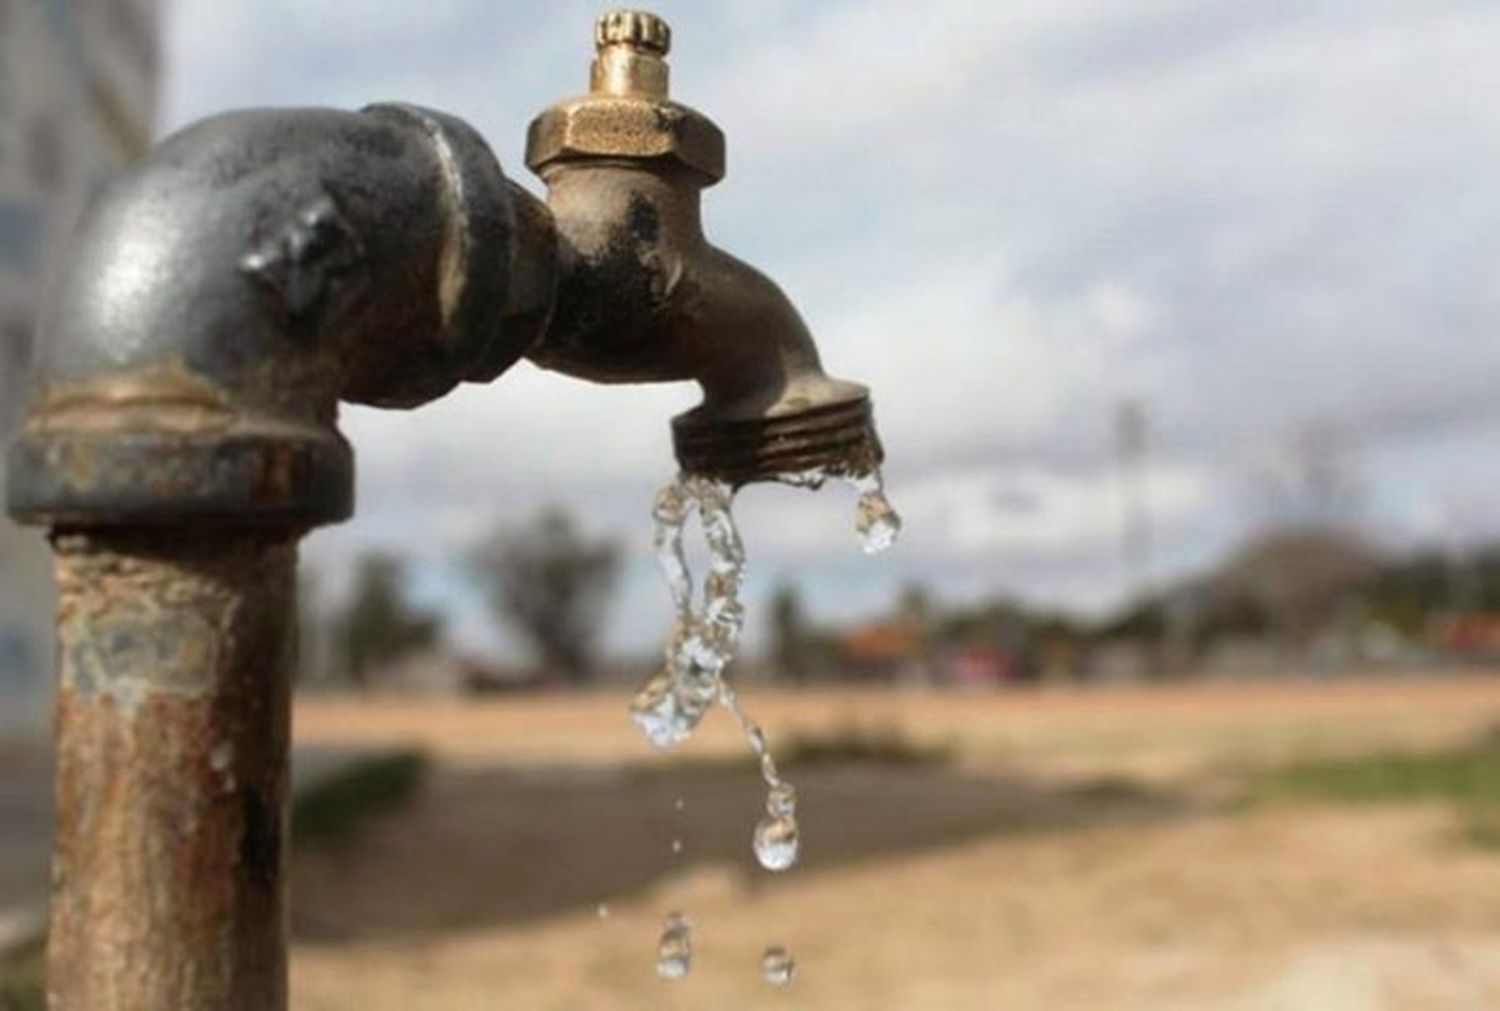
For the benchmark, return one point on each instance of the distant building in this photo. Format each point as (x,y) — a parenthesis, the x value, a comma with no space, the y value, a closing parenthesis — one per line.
(979,667)
(882,652)
(78,82)
(1471,636)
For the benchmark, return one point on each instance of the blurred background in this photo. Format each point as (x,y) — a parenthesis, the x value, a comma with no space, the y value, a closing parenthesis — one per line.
(1176,692)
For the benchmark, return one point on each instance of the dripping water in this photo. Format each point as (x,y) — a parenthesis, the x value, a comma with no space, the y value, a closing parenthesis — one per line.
(704,640)
(875,521)
(777,966)
(674,952)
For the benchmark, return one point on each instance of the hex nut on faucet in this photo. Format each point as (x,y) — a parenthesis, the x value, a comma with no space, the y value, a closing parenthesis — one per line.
(626,113)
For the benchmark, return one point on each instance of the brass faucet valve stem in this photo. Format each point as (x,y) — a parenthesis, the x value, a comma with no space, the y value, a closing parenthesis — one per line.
(643,296)
(626,113)
(630,49)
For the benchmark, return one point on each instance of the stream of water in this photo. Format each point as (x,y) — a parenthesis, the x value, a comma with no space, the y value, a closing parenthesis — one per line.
(704,640)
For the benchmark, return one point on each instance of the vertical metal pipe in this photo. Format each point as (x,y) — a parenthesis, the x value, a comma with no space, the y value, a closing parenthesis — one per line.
(173,720)
(219,299)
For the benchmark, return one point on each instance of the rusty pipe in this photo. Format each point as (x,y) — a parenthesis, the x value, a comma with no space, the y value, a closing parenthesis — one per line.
(643,296)
(222,297)
(172,720)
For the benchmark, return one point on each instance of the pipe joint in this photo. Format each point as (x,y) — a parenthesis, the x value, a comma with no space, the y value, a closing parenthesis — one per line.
(258,267)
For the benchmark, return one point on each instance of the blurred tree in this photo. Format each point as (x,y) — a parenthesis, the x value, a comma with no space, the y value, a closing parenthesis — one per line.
(1410,591)
(995,621)
(916,610)
(790,641)
(552,586)
(1299,575)
(1310,477)
(915,605)
(379,626)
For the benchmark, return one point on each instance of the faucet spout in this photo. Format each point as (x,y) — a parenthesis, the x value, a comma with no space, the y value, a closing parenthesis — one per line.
(643,296)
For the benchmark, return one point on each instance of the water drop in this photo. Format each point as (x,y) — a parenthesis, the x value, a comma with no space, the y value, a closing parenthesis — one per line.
(813,479)
(603,911)
(776,842)
(757,739)
(657,710)
(768,770)
(680,804)
(704,653)
(676,845)
(875,520)
(671,505)
(674,954)
(777,966)
(782,800)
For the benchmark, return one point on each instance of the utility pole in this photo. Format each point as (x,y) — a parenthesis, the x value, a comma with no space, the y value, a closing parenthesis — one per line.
(1132,432)
(1164,647)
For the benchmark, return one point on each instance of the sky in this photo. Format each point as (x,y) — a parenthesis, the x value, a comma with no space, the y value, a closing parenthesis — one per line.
(1259,220)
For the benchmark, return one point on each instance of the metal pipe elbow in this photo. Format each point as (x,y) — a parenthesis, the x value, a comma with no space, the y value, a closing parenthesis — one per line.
(226,293)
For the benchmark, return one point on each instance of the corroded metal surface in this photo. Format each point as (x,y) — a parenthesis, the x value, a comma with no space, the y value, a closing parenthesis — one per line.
(838,440)
(643,296)
(640,29)
(607,126)
(172,772)
(626,113)
(221,299)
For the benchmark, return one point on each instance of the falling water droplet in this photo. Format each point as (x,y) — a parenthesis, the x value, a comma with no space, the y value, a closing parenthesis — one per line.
(655,710)
(674,954)
(777,966)
(676,845)
(812,479)
(776,838)
(875,520)
(782,800)
(757,739)
(603,911)
(768,770)
(776,841)
(679,804)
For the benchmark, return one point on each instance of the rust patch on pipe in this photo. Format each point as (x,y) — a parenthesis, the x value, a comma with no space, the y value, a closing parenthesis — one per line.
(172,772)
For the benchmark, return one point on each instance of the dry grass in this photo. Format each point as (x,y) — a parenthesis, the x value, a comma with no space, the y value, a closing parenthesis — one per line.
(1076,853)
(1147,731)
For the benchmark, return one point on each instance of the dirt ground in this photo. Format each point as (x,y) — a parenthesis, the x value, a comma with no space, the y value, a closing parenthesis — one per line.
(1083,850)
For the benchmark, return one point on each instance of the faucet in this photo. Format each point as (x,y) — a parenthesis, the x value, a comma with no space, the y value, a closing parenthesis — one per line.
(220,299)
(643,296)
